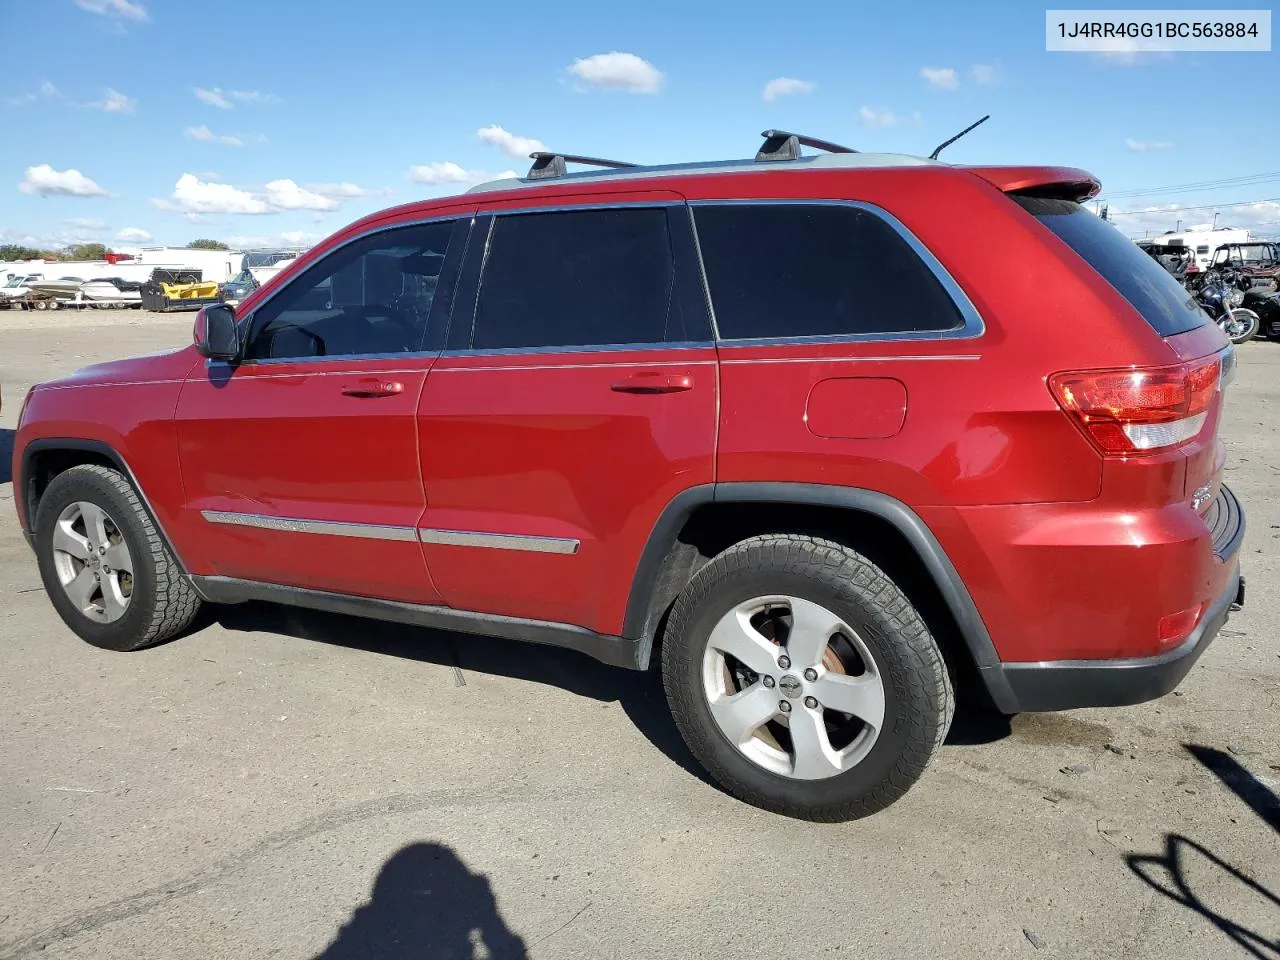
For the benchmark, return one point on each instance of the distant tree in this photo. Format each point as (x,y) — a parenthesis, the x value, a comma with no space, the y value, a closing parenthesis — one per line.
(207,245)
(85,251)
(14,251)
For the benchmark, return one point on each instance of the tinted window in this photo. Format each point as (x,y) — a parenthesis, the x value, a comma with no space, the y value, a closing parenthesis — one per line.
(1136,277)
(801,270)
(372,296)
(576,278)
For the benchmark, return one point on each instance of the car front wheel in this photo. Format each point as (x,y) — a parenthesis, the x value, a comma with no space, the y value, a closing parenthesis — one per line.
(104,566)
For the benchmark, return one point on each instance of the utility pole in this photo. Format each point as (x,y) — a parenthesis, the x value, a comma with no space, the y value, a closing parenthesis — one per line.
(1178,228)
(1215,219)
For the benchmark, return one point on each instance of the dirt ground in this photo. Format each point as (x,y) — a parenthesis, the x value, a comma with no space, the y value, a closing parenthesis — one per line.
(286,784)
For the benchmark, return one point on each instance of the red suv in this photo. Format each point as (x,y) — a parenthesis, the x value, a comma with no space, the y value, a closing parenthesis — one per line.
(780,425)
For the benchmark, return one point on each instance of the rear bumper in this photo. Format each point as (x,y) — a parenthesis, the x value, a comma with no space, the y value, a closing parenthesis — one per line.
(1070,684)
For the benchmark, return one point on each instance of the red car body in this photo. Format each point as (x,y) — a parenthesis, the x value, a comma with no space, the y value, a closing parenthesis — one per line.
(1070,576)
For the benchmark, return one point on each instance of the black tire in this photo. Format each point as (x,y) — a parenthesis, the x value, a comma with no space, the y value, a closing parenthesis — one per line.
(1251,323)
(919,701)
(163,602)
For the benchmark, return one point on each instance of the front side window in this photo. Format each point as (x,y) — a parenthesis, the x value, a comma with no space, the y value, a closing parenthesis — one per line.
(781,270)
(372,296)
(576,278)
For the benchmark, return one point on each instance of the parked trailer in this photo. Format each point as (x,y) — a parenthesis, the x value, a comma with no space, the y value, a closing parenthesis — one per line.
(43,300)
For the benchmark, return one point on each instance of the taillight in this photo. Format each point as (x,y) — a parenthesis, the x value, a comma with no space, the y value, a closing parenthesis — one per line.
(1192,268)
(1141,410)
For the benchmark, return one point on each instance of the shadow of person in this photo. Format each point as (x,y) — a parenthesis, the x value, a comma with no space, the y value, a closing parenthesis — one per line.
(426,905)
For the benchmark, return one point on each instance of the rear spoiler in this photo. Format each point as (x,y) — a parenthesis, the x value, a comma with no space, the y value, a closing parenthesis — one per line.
(1062,183)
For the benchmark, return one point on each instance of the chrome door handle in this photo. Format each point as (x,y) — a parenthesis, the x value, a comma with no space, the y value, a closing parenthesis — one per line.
(653,383)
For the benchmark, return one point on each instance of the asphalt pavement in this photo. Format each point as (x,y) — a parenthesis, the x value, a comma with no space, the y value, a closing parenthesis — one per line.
(298,785)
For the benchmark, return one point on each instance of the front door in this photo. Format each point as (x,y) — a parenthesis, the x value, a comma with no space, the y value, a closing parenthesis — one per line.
(301,462)
(577,398)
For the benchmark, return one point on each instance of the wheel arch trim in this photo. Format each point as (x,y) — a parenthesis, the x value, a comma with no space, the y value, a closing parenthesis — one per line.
(902,518)
(23,487)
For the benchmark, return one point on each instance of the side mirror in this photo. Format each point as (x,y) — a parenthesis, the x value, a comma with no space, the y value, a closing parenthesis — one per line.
(215,332)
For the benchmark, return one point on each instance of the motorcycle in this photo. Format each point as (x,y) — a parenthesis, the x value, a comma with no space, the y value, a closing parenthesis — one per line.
(1220,296)
(1266,304)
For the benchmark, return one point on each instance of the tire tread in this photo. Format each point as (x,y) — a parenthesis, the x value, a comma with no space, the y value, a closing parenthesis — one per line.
(825,560)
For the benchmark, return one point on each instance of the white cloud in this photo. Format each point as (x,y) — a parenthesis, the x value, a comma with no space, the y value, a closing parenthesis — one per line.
(47,92)
(123,9)
(45,181)
(509,143)
(203,133)
(941,78)
(133,235)
(287,195)
(291,238)
(1142,146)
(114,101)
(338,191)
(253,96)
(873,117)
(213,98)
(785,87)
(1127,52)
(444,172)
(88,223)
(984,74)
(618,71)
(194,196)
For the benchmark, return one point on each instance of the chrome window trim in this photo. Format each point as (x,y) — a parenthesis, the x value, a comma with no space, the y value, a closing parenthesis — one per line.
(972,324)
(365,531)
(247,319)
(498,541)
(578,348)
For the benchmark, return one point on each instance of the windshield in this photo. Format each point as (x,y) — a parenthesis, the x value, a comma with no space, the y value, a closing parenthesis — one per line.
(14,281)
(1161,300)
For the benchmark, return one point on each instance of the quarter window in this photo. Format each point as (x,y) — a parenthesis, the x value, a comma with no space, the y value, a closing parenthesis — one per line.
(370,297)
(577,278)
(815,270)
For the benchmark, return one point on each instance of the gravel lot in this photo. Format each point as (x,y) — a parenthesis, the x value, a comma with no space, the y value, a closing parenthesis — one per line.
(288,784)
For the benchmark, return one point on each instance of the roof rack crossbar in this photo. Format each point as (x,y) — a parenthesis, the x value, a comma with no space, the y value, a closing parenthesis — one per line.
(946,143)
(783,145)
(547,166)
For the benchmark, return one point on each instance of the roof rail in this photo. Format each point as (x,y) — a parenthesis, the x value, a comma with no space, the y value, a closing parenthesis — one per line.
(547,166)
(781,145)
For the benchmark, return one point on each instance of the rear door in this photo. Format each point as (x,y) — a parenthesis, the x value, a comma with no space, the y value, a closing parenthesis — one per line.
(301,462)
(577,398)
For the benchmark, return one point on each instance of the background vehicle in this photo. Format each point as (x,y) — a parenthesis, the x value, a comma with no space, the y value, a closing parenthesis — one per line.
(544,410)
(1223,300)
(1259,262)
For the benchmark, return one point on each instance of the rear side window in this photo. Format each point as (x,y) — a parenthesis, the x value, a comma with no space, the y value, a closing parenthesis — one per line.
(576,278)
(815,270)
(1161,300)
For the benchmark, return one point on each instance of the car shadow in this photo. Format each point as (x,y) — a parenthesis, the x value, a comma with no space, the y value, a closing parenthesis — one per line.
(6,454)
(1168,875)
(426,903)
(639,694)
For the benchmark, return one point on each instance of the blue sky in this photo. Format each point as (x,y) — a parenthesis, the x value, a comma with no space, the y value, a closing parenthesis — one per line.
(261,122)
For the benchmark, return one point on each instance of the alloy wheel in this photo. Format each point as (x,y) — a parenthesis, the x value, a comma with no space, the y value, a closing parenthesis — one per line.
(93,562)
(793,687)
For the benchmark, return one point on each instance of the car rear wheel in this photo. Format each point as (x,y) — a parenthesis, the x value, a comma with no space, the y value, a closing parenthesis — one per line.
(803,679)
(104,566)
